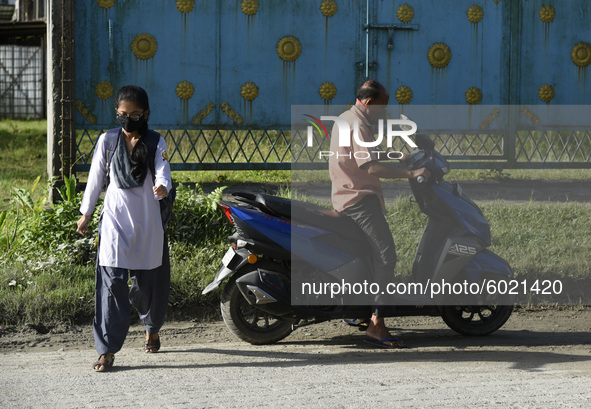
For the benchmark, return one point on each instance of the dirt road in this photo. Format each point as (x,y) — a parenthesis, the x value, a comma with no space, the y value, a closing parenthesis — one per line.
(540,359)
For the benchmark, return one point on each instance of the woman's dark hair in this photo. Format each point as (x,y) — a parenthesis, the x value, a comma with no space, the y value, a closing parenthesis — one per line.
(139,154)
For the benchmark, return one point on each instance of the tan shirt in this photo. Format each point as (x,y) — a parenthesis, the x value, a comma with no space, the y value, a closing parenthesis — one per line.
(350,183)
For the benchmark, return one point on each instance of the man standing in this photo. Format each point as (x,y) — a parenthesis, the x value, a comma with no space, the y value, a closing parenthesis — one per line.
(357,193)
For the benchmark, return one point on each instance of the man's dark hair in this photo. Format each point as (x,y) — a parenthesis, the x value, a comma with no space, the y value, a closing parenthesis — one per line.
(370,89)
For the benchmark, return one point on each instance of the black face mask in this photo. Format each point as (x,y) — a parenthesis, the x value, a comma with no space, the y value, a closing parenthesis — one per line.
(132,126)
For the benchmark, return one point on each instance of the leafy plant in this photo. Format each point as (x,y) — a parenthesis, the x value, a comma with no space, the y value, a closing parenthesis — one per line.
(8,231)
(196,217)
(24,198)
(68,190)
(33,230)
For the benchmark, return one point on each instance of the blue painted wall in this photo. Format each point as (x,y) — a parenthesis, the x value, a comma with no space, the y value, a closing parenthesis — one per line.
(479,52)
(508,55)
(545,51)
(217,48)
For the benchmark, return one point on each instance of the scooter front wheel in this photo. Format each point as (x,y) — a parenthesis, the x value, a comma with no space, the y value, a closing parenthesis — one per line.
(248,322)
(474,320)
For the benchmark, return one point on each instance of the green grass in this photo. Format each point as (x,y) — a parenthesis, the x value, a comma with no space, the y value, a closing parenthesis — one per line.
(233,177)
(31,293)
(47,270)
(47,281)
(544,240)
(470,174)
(539,239)
(23,154)
(521,174)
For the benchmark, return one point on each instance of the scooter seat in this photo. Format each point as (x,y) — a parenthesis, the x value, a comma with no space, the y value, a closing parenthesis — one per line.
(278,206)
(308,213)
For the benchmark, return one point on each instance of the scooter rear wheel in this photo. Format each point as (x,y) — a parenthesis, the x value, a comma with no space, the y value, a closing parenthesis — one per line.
(475,320)
(248,322)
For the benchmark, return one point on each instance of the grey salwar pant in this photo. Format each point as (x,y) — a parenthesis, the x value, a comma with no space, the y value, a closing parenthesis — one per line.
(113,299)
(367,213)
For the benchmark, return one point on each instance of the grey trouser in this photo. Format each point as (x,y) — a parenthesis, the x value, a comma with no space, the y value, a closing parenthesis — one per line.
(148,295)
(367,213)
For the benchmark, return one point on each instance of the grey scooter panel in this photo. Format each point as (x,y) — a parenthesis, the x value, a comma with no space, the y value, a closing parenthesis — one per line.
(232,262)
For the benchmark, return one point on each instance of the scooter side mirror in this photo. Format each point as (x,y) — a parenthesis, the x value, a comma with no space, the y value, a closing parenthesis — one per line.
(424,142)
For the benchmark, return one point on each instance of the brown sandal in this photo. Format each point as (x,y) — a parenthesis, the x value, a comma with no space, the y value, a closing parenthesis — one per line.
(106,364)
(152,347)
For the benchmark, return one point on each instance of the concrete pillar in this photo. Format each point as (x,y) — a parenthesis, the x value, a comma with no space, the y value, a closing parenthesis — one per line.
(54,32)
(59,121)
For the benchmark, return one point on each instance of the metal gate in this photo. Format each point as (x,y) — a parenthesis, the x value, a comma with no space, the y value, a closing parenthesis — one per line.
(21,81)
(222,75)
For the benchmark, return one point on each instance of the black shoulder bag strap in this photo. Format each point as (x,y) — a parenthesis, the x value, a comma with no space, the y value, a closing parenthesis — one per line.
(109,135)
(151,140)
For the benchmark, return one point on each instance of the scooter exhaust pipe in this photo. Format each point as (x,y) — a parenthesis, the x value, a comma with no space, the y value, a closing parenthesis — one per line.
(266,290)
(260,296)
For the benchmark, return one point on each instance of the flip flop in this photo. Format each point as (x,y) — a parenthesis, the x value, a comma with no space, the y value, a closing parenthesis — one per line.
(382,343)
(360,324)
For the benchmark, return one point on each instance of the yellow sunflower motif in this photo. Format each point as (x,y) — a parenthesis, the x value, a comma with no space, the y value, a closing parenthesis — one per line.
(289,48)
(184,6)
(403,95)
(439,55)
(104,90)
(184,90)
(249,7)
(144,46)
(475,13)
(473,96)
(547,14)
(329,8)
(106,4)
(546,93)
(327,91)
(581,54)
(249,91)
(405,13)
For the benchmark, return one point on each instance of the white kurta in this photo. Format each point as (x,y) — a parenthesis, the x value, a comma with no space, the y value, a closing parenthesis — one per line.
(131,229)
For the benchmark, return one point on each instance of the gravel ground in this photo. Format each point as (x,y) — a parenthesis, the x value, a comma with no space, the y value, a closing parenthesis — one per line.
(539,359)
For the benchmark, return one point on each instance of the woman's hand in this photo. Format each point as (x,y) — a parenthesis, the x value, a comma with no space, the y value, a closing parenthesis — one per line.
(160,191)
(83,224)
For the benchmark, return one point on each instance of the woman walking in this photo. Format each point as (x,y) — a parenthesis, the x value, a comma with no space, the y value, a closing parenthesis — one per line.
(132,162)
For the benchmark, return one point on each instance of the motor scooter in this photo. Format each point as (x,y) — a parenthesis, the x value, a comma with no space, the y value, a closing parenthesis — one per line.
(280,243)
